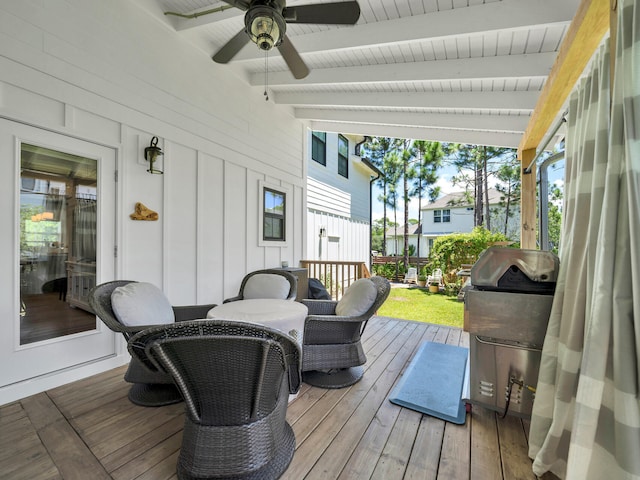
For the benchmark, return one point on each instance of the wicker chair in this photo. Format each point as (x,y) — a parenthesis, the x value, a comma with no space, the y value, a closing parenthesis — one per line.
(150,388)
(332,351)
(235,378)
(246,283)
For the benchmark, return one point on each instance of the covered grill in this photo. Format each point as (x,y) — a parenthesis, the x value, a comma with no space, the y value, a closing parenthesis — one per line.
(508,307)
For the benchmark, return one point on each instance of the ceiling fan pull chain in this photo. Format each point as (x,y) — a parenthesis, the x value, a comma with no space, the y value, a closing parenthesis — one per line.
(266,74)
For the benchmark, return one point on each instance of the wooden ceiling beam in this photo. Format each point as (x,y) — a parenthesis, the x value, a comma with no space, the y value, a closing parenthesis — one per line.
(585,33)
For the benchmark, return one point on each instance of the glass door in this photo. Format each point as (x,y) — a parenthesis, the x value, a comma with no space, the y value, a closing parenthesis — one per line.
(63,241)
(58,219)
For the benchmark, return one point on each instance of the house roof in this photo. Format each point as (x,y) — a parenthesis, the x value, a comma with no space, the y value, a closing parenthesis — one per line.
(458,199)
(467,72)
(414,229)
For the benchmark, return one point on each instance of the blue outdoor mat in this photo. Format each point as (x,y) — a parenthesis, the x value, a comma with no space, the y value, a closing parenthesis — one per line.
(434,382)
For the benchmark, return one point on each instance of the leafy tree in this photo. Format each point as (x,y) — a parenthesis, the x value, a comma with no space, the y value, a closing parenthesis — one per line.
(481,161)
(429,158)
(407,174)
(378,148)
(392,169)
(555,217)
(508,175)
(377,233)
(449,252)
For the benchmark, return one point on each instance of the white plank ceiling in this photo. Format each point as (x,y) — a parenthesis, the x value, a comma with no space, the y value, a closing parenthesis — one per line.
(467,71)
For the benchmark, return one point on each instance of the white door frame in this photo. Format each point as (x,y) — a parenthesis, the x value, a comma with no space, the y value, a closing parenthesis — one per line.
(32,368)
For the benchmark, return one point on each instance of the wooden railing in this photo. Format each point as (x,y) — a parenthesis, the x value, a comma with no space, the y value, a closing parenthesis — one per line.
(335,275)
(413,261)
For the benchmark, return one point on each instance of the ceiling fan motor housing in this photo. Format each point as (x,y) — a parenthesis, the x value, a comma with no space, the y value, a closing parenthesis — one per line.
(265,24)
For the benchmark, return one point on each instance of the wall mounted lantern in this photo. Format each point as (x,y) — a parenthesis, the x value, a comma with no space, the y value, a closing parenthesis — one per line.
(151,154)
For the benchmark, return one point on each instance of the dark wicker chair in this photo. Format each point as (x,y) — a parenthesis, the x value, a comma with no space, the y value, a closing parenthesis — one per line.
(332,351)
(235,378)
(290,277)
(150,388)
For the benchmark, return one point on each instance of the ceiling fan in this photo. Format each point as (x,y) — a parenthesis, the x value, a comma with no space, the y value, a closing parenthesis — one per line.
(266,24)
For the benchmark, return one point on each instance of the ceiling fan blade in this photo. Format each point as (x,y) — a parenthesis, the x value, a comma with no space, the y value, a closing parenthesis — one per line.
(231,48)
(339,13)
(293,59)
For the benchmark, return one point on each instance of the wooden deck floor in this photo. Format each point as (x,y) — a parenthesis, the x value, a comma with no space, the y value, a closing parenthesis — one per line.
(89,429)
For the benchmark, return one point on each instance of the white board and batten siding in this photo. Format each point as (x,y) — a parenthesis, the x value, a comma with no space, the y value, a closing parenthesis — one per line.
(339,205)
(106,72)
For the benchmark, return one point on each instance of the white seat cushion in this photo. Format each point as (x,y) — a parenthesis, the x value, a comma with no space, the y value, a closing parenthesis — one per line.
(141,303)
(266,285)
(357,299)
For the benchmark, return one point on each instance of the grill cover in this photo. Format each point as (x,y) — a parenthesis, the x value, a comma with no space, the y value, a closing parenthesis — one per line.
(515,270)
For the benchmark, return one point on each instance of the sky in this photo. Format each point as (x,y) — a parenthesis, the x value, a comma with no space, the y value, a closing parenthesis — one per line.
(556,175)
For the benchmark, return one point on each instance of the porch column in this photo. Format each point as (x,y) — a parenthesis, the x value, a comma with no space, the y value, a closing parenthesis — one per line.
(528,201)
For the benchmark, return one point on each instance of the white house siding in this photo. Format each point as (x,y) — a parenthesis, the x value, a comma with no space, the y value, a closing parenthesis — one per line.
(333,193)
(346,239)
(339,205)
(461,221)
(104,72)
(413,240)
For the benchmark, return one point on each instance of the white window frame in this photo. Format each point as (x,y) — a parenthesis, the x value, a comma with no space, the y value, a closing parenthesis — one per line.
(288,206)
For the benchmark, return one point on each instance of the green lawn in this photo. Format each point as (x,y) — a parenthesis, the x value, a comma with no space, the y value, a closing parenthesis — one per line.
(418,304)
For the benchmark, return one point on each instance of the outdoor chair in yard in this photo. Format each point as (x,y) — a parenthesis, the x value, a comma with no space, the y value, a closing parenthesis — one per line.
(435,277)
(127,307)
(270,283)
(332,351)
(235,378)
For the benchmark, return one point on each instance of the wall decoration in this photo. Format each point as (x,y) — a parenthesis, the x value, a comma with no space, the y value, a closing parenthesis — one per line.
(143,213)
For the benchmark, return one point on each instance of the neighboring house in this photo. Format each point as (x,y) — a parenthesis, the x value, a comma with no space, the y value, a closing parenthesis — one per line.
(395,240)
(453,213)
(338,198)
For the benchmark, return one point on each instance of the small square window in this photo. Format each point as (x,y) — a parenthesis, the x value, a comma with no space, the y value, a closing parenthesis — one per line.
(437,216)
(446,216)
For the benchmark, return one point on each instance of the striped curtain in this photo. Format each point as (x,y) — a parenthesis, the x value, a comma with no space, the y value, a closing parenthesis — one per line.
(586,416)
(85,229)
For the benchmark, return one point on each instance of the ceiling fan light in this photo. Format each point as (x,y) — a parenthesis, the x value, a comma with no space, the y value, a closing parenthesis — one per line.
(265,26)
(264,32)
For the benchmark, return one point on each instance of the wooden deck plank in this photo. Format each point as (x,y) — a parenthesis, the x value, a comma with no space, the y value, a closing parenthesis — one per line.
(513,449)
(425,455)
(136,453)
(11,412)
(22,455)
(126,430)
(313,446)
(455,461)
(336,455)
(378,450)
(37,465)
(70,454)
(89,429)
(67,450)
(153,456)
(305,425)
(485,450)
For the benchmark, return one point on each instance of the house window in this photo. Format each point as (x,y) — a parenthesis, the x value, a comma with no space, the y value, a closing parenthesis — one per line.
(343,156)
(274,215)
(442,216)
(319,147)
